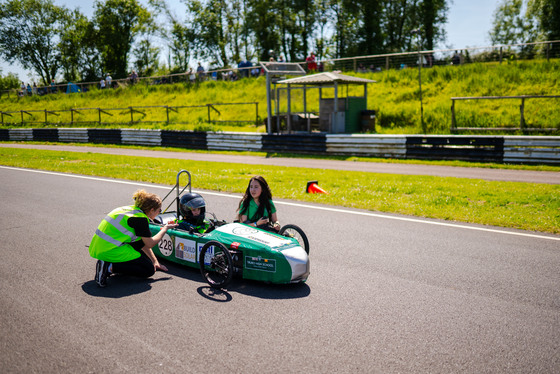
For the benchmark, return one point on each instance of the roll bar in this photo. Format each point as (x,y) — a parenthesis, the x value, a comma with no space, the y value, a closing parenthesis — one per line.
(177,187)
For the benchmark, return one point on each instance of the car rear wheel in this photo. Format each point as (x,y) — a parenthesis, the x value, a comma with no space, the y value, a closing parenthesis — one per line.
(216,264)
(293,231)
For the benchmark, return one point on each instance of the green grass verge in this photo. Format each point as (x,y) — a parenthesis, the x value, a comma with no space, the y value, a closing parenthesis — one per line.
(394,96)
(526,206)
(456,163)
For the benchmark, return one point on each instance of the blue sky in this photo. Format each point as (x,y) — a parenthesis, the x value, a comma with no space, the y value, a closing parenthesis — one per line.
(469,22)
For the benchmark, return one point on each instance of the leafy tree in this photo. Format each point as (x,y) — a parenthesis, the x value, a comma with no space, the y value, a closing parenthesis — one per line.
(178,36)
(322,43)
(30,33)
(346,26)
(8,82)
(180,45)
(433,15)
(510,26)
(296,22)
(262,20)
(547,14)
(117,23)
(147,58)
(369,37)
(79,55)
(403,16)
(218,26)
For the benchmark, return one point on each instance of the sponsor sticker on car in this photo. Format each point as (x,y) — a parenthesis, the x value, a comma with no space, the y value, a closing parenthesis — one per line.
(259,236)
(259,263)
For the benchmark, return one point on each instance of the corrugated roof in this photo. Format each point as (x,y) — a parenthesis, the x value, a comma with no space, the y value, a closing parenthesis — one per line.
(326,78)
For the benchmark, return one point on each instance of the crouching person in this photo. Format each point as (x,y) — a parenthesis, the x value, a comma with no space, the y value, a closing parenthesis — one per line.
(123,241)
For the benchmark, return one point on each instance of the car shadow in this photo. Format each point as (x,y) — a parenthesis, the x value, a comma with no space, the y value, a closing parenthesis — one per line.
(238,285)
(121,286)
(255,289)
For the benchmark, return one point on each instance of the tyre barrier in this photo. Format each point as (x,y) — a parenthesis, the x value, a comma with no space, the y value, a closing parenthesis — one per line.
(510,149)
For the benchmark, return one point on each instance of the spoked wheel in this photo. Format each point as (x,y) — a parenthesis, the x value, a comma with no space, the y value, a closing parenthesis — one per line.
(293,231)
(216,264)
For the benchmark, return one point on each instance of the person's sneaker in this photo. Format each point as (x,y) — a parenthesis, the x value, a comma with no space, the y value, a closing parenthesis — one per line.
(101,273)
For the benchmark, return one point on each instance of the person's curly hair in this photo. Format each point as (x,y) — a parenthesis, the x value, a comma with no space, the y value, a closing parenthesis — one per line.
(146,201)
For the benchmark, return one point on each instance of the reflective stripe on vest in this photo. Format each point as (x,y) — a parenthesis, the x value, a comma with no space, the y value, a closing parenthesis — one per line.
(118,226)
(111,239)
(116,222)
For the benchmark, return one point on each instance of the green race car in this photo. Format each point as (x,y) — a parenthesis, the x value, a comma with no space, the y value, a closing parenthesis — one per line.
(225,249)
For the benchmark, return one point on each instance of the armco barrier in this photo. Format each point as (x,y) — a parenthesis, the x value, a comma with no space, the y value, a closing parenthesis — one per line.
(234,141)
(73,135)
(532,149)
(184,139)
(385,146)
(459,147)
(141,137)
(300,143)
(513,149)
(21,134)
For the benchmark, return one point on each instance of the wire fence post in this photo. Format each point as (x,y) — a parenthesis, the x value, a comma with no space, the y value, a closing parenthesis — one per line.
(256,114)
(453,119)
(522,110)
(500,55)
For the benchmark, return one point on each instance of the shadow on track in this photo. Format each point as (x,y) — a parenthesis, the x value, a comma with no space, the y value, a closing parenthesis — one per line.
(120,286)
(239,285)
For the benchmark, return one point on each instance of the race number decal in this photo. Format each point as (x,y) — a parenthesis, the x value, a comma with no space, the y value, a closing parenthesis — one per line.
(166,245)
(185,249)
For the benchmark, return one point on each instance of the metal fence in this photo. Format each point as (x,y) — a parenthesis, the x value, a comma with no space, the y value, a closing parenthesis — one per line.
(522,122)
(131,115)
(357,64)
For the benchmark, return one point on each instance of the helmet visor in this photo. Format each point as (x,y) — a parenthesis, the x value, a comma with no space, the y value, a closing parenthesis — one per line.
(196,203)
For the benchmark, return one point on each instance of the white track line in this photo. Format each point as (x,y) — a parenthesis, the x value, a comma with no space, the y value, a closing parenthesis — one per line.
(335,210)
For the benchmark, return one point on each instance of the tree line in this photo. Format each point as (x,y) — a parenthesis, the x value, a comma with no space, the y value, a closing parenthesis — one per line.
(54,41)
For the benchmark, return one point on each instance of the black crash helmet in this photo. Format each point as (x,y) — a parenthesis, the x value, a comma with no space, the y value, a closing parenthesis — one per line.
(192,201)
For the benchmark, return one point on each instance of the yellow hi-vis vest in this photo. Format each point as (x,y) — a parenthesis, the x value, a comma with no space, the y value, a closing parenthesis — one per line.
(111,239)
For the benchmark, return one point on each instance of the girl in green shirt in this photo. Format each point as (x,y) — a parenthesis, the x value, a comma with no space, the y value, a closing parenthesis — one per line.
(256,207)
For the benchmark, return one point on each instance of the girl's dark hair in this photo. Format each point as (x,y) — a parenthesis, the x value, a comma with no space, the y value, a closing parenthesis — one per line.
(264,199)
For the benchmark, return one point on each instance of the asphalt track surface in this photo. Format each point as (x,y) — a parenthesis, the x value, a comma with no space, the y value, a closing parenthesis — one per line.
(386,294)
(372,167)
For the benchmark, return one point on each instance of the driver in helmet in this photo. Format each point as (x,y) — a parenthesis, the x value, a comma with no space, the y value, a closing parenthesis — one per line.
(193,208)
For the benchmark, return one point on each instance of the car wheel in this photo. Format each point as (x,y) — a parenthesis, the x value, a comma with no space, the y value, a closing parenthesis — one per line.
(293,231)
(216,264)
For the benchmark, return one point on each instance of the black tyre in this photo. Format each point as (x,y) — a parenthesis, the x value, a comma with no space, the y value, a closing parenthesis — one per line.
(294,231)
(218,269)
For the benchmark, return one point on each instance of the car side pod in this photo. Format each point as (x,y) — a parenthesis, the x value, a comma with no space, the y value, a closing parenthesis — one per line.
(299,262)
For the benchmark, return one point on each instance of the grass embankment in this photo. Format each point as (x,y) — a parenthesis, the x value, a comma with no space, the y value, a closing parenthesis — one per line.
(394,97)
(525,206)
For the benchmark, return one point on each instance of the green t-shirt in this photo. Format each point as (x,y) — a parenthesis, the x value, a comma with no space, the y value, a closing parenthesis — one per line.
(251,211)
